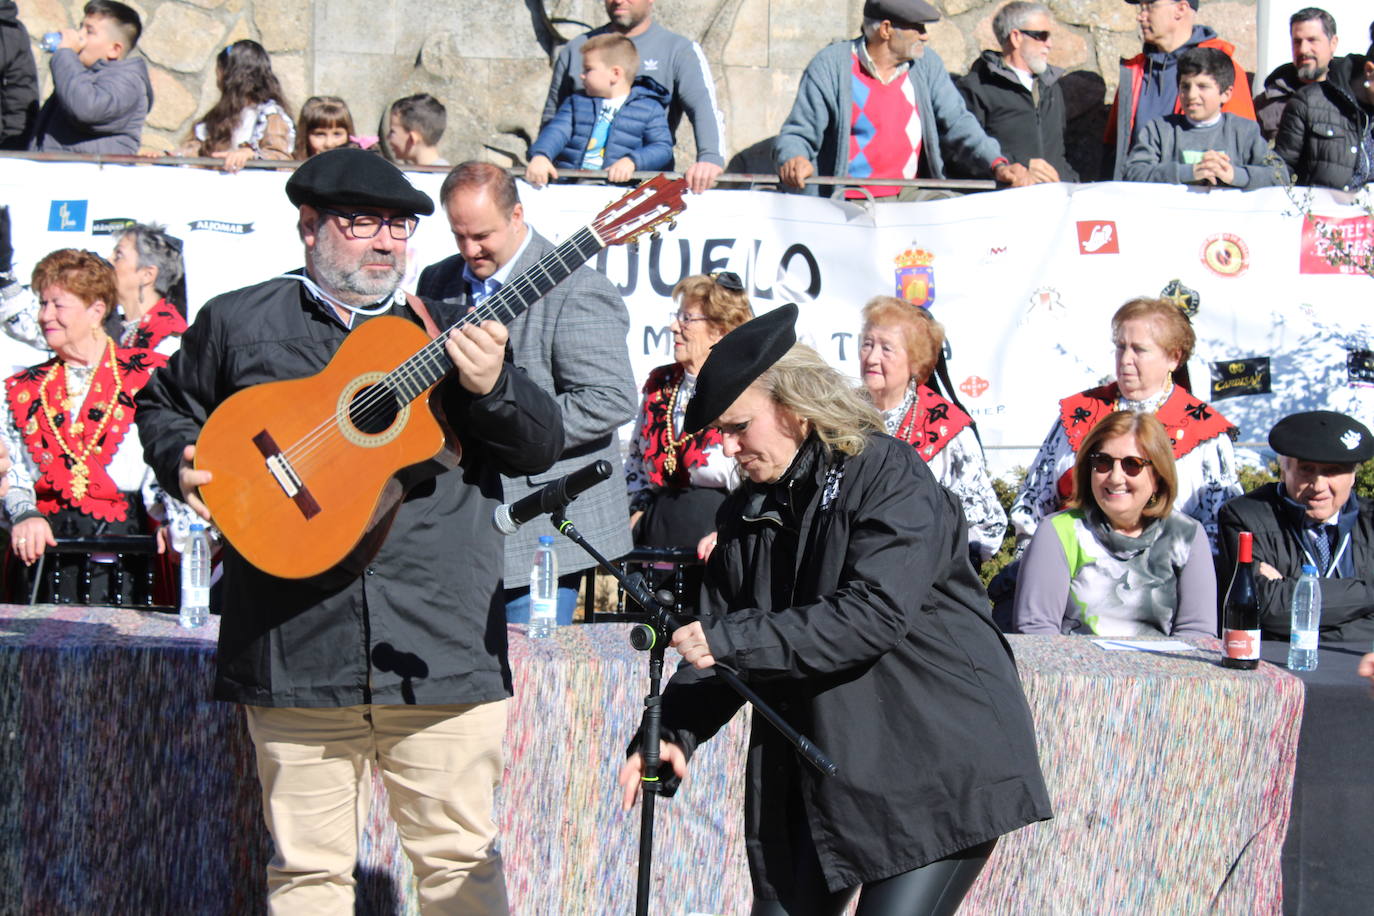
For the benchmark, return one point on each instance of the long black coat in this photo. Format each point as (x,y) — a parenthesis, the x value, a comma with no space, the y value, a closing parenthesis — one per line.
(1319,134)
(846,597)
(1347,603)
(425,622)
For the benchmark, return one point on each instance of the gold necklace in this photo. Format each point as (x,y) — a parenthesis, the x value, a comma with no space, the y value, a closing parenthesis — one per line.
(673,444)
(80,472)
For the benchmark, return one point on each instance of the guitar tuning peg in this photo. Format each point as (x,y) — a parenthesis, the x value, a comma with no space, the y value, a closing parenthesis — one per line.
(672,224)
(655,235)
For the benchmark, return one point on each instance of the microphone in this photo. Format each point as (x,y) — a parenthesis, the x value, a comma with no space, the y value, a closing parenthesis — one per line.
(510,516)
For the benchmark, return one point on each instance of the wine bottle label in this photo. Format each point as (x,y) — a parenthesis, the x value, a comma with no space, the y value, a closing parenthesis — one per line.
(1241,643)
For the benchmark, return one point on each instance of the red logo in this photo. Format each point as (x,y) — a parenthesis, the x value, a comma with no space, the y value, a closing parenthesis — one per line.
(1335,246)
(973,386)
(1226,255)
(1241,643)
(1098,236)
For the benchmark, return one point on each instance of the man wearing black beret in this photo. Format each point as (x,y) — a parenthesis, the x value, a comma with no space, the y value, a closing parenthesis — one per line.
(401,666)
(1311,515)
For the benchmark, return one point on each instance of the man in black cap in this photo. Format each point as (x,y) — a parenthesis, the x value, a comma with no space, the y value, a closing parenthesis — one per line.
(1311,516)
(1148,86)
(403,666)
(883,106)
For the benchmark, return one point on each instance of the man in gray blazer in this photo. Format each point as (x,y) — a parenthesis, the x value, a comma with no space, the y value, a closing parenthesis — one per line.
(572,344)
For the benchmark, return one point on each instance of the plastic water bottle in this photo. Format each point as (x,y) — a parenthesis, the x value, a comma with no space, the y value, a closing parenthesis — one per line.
(51,41)
(544,589)
(195,578)
(1307,619)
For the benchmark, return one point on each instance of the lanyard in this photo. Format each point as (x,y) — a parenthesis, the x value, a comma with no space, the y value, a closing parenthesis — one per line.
(1331,570)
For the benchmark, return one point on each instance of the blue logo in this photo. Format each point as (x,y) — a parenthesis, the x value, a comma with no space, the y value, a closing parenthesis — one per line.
(67,216)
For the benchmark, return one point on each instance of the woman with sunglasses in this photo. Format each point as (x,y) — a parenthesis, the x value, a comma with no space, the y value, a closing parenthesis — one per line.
(677,478)
(1154,341)
(899,346)
(1119,561)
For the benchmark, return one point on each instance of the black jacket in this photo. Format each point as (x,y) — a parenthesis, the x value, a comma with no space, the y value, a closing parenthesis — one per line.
(1347,602)
(1270,103)
(18,80)
(845,596)
(1321,129)
(1008,112)
(425,623)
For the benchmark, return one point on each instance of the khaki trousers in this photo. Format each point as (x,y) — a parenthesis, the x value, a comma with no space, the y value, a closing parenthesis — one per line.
(440,765)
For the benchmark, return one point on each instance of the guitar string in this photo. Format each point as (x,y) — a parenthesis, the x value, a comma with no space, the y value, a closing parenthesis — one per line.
(401,380)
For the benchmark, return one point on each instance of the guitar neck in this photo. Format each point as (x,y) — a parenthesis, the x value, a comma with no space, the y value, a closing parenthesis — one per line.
(431,364)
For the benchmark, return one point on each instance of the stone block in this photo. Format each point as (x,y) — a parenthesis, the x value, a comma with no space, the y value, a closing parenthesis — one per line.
(957,7)
(488,28)
(283,26)
(797,29)
(40,16)
(356,27)
(154,141)
(1114,15)
(1235,22)
(747,45)
(173,103)
(1110,48)
(241,30)
(181,38)
(1068,49)
(290,70)
(948,41)
(206,4)
(757,101)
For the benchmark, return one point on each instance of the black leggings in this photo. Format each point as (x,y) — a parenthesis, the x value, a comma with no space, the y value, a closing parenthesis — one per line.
(936,889)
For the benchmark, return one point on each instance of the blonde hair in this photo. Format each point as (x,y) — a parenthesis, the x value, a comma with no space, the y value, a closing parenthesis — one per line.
(1154,443)
(808,386)
(922,335)
(727,309)
(615,51)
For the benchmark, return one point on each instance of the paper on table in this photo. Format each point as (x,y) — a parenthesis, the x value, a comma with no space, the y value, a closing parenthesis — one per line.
(1144,645)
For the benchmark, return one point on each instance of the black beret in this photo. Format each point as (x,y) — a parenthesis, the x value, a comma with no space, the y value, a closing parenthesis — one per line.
(355,178)
(1323,436)
(736,360)
(901,12)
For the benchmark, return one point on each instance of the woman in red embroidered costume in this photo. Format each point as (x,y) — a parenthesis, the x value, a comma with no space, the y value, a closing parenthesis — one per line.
(676,480)
(899,346)
(1154,341)
(68,422)
(148,268)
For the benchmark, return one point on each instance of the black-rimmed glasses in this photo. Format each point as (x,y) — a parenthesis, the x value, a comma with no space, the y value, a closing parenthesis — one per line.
(367,225)
(1103,463)
(1041,36)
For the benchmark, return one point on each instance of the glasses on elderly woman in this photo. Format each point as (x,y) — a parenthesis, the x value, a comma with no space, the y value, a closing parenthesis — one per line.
(367,225)
(1103,463)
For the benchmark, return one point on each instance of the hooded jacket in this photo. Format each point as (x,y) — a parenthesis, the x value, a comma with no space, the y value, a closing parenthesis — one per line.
(639,130)
(1279,87)
(18,80)
(1162,67)
(1321,133)
(1010,115)
(98,109)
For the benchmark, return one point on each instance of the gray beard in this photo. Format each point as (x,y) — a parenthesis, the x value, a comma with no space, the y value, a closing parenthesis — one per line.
(1311,73)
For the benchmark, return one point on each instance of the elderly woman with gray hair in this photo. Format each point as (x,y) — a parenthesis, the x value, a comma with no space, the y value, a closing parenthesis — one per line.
(1014,92)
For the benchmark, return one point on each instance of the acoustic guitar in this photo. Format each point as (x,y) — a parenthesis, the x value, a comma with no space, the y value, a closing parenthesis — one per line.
(308,472)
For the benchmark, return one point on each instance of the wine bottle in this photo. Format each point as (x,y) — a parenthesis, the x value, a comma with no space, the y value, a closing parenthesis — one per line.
(1240,627)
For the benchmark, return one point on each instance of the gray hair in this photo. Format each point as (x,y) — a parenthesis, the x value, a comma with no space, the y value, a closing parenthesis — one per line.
(870,28)
(157,249)
(1014,16)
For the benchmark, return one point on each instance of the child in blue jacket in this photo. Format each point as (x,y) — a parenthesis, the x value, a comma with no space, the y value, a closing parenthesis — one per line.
(612,123)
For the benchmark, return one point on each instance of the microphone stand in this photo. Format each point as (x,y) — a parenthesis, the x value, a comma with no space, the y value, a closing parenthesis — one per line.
(653,636)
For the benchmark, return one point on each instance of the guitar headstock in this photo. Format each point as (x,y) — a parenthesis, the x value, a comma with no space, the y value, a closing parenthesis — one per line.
(651,204)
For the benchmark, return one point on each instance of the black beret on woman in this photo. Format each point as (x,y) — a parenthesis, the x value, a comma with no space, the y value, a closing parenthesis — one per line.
(841,589)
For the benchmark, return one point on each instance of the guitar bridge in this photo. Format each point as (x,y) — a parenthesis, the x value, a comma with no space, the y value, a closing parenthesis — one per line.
(281,470)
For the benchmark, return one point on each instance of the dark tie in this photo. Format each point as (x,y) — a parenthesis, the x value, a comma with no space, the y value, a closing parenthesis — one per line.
(1321,538)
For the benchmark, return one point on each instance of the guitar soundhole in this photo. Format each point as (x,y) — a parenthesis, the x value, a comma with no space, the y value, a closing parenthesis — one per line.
(373,409)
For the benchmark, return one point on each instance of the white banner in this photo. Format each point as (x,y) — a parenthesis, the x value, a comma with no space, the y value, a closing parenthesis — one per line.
(1024,281)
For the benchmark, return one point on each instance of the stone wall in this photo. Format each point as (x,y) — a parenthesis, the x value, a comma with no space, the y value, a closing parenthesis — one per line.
(488,61)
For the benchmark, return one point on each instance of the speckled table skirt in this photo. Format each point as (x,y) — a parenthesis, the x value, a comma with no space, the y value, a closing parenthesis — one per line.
(129,791)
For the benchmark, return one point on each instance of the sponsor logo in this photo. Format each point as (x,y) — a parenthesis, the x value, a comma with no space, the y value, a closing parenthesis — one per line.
(1359,367)
(67,216)
(1097,236)
(1336,246)
(1241,643)
(649,63)
(115,225)
(1225,254)
(1351,439)
(1236,377)
(215,225)
(915,277)
(1046,299)
(974,386)
(1186,299)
